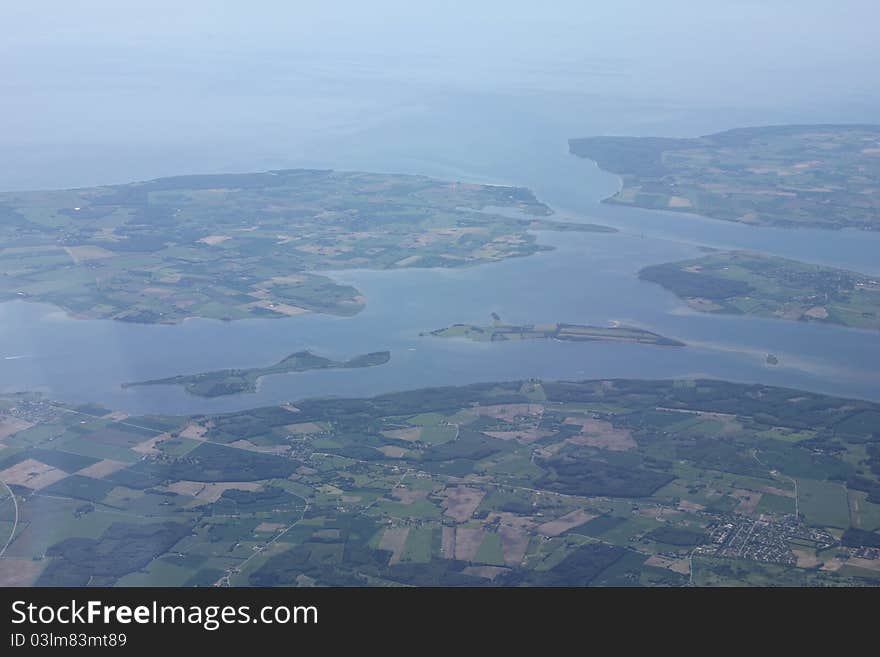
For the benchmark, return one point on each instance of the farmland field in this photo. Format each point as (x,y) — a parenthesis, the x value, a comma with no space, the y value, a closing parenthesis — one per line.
(793,176)
(766,286)
(364,491)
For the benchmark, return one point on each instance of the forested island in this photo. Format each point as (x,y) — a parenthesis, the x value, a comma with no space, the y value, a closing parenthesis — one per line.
(231,382)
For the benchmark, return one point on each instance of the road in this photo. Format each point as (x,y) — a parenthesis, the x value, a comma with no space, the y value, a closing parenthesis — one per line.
(98,417)
(777,475)
(226,580)
(14,524)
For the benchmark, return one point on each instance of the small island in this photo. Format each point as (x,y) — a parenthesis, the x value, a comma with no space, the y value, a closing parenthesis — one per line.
(789,176)
(742,283)
(230,382)
(499,331)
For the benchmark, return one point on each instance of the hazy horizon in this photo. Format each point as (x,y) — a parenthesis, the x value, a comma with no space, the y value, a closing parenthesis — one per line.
(94,93)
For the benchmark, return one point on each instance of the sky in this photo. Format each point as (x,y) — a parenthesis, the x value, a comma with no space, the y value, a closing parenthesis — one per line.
(766,41)
(104,73)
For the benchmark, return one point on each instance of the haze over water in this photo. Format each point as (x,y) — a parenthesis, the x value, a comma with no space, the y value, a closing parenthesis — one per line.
(447,92)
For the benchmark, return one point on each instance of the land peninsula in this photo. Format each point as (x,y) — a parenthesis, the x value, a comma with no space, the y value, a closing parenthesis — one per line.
(746,283)
(236,246)
(791,176)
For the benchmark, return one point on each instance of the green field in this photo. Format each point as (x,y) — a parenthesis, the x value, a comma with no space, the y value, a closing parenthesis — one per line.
(823,503)
(419,545)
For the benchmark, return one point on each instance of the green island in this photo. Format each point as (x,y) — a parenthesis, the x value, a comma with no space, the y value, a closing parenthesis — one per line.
(532,483)
(249,245)
(234,381)
(769,286)
(793,176)
(499,331)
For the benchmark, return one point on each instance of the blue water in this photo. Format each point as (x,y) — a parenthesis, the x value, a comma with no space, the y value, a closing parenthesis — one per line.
(588,278)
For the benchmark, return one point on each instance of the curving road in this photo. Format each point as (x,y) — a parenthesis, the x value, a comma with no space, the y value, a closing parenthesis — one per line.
(14,524)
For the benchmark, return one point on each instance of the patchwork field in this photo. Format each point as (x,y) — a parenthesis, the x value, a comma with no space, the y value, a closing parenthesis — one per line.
(527,483)
(248,245)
